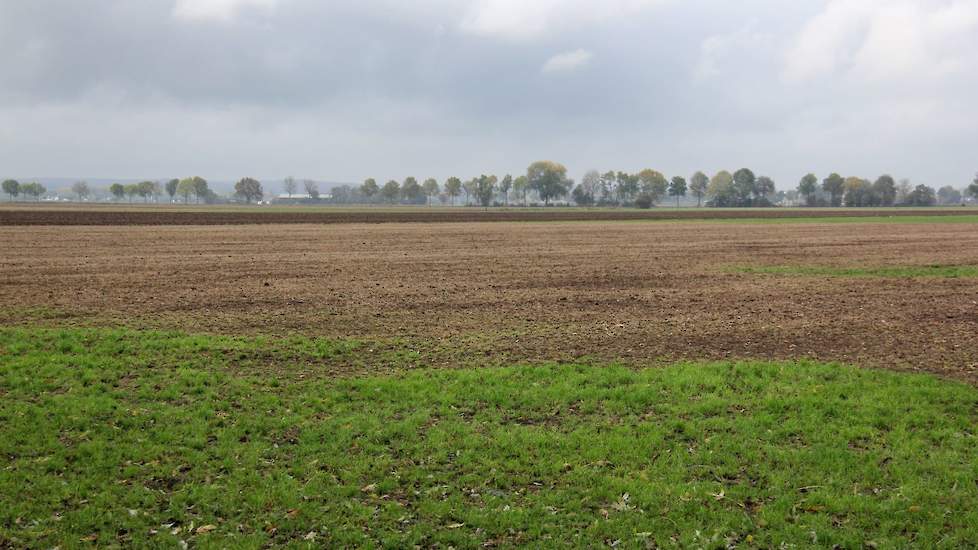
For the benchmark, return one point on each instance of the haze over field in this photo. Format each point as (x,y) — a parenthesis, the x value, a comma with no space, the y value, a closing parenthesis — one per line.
(345,89)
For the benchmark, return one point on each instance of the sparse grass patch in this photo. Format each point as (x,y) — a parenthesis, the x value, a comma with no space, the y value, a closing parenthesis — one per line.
(148,438)
(941,271)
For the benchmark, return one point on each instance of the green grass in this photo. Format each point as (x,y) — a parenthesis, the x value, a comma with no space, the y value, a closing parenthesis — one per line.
(940,271)
(123,438)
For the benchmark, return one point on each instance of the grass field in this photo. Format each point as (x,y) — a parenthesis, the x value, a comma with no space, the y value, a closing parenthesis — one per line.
(120,437)
(698,384)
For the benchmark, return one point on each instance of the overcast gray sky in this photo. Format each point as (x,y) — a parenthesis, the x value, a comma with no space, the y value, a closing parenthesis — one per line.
(345,89)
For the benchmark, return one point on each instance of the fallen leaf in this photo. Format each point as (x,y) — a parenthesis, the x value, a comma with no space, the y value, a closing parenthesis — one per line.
(369,488)
(311,535)
(204,529)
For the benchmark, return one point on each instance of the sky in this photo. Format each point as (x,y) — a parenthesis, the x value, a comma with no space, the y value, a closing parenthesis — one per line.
(342,90)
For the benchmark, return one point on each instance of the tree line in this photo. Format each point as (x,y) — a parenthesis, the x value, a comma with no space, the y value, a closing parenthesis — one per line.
(546,182)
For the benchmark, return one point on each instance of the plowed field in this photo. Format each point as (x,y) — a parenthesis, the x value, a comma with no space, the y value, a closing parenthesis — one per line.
(481,293)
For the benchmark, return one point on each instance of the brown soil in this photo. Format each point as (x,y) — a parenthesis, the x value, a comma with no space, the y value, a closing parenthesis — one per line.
(42,214)
(472,293)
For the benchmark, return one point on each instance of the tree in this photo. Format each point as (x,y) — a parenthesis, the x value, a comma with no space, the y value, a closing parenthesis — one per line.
(131,190)
(835,186)
(807,188)
(186,188)
(312,189)
(369,188)
(201,190)
(697,186)
(653,185)
(289,185)
(505,185)
(485,189)
(859,192)
(411,191)
(11,188)
(548,179)
(80,189)
(677,188)
(921,195)
(249,189)
(744,185)
(453,187)
(948,195)
(118,190)
(391,191)
(903,190)
(884,188)
(146,189)
(171,188)
(582,196)
(973,188)
(721,189)
(430,187)
(520,186)
(33,189)
(764,188)
(628,185)
(469,188)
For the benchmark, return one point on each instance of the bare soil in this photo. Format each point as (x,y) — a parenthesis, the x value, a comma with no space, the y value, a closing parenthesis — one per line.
(481,293)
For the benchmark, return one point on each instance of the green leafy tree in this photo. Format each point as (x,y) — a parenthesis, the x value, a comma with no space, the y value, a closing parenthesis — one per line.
(33,189)
(505,185)
(677,188)
(921,195)
(11,188)
(369,188)
(485,189)
(249,189)
(653,185)
(118,190)
(548,179)
(171,188)
(469,189)
(186,188)
(628,186)
(391,191)
(131,190)
(745,183)
(201,190)
(520,187)
(721,189)
(431,189)
(146,189)
(764,188)
(411,191)
(835,186)
(973,188)
(807,188)
(453,188)
(859,193)
(948,195)
(885,190)
(698,184)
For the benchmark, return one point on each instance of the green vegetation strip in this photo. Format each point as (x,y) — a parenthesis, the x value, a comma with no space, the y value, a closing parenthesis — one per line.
(123,438)
(941,271)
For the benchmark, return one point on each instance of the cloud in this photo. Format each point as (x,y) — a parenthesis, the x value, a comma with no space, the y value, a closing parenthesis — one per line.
(521,19)
(875,40)
(221,10)
(567,61)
